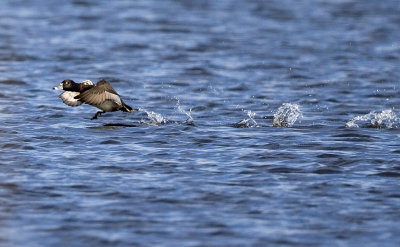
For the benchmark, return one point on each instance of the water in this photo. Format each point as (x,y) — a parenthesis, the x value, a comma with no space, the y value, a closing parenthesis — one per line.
(183,171)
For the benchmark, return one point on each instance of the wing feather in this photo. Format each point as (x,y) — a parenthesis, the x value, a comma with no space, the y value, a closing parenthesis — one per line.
(107,87)
(113,97)
(98,94)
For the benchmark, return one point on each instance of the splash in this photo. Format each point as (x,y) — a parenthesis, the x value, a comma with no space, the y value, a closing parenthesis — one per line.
(248,122)
(251,116)
(286,115)
(190,119)
(386,119)
(153,118)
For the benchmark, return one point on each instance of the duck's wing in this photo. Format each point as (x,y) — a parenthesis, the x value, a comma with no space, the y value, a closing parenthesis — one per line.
(68,98)
(106,86)
(99,94)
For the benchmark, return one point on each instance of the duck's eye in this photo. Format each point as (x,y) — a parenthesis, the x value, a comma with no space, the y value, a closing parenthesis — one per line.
(67,82)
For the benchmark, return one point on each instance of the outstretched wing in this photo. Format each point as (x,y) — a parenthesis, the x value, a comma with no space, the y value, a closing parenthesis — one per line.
(99,94)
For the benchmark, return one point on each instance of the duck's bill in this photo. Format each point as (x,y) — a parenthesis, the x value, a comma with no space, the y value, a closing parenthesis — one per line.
(59,87)
(134,110)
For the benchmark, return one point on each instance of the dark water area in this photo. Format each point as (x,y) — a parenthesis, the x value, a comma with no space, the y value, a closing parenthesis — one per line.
(261,123)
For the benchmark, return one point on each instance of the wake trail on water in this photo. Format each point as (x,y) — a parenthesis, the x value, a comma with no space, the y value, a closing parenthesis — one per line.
(386,119)
(285,116)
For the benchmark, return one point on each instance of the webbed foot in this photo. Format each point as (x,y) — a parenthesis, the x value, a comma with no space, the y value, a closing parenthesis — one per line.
(97,115)
(134,110)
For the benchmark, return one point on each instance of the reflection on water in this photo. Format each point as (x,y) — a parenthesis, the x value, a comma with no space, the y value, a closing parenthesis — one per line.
(201,163)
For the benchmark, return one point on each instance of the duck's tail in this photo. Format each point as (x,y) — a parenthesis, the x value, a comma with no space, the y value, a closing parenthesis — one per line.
(127,108)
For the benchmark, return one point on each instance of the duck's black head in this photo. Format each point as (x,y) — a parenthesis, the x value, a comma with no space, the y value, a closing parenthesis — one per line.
(68,85)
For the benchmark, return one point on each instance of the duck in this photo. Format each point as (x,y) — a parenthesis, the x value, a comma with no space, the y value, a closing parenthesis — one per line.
(102,95)
(73,89)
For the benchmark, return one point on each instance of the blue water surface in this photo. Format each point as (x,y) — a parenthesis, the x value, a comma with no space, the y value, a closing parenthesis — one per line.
(201,164)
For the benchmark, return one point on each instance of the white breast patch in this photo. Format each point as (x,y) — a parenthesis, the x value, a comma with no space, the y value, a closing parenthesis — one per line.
(68,98)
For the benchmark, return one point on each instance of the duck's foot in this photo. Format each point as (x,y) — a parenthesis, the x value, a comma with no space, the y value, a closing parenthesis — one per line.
(97,114)
(134,110)
(126,108)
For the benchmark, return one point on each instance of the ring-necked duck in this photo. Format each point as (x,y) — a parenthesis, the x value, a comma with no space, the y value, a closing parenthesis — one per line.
(102,96)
